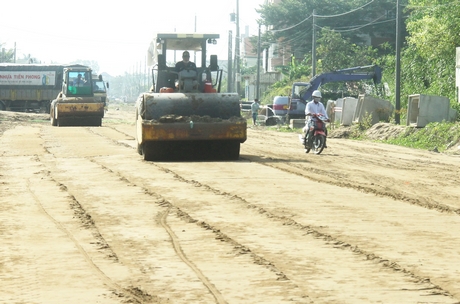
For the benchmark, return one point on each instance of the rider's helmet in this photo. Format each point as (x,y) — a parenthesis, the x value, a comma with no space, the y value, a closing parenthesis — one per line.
(316,93)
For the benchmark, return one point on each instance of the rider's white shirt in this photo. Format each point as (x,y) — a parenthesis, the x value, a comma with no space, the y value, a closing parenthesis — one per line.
(315,108)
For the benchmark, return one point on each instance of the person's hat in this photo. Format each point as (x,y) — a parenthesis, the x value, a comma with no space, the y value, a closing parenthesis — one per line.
(185,54)
(316,93)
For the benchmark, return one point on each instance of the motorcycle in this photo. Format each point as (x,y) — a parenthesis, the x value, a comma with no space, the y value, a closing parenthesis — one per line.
(315,138)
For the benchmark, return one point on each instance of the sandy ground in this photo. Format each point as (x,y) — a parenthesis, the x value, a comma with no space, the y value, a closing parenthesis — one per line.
(83,219)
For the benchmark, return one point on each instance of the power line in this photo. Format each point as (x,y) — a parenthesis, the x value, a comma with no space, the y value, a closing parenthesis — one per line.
(356,27)
(298,36)
(349,12)
(324,16)
(291,27)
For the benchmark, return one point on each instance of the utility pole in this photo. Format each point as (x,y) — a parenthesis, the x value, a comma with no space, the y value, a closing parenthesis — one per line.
(258,67)
(230,69)
(398,64)
(194,53)
(237,49)
(313,46)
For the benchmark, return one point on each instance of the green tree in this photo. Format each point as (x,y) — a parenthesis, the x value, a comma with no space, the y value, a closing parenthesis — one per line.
(336,52)
(296,71)
(428,60)
(291,20)
(340,27)
(6,55)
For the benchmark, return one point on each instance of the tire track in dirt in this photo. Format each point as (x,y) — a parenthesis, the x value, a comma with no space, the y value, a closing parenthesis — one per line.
(88,223)
(114,128)
(22,149)
(384,192)
(42,200)
(240,249)
(324,176)
(217,228)
(337,178)
(132,294)
(93,160)
(368,157)
(336,242)
(176,243)
(332,241)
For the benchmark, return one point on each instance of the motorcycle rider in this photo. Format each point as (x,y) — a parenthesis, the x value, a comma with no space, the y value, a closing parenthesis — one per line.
(312,110)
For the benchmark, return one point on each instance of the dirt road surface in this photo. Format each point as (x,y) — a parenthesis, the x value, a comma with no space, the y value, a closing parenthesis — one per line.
(83,219)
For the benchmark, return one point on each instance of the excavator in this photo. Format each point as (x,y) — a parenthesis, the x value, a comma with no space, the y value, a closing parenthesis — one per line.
(185,116)
(301,91)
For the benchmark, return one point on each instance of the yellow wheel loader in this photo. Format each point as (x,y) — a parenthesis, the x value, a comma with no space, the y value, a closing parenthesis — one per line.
(185,116)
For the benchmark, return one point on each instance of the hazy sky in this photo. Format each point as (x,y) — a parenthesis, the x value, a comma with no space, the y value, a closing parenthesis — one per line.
(116,34)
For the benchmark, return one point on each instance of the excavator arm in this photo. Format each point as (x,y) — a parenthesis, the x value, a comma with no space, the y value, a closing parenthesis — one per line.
(351,74)
(301,91)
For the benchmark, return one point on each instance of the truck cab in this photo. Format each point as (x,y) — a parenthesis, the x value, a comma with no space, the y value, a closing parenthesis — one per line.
(100,88)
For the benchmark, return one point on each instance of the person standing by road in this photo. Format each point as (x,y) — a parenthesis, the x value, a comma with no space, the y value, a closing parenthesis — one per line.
(255,111)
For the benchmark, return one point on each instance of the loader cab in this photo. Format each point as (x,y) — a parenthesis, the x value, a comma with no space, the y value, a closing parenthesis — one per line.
(78,83)
(167,49)
(296,101)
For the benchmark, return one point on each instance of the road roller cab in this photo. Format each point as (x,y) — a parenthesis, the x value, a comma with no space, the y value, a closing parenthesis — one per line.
(76,104)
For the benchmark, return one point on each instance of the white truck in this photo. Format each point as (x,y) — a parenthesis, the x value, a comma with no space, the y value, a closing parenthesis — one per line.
(29,87)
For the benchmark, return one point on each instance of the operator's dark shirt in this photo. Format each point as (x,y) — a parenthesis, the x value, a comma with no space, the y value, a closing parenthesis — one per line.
(185,66)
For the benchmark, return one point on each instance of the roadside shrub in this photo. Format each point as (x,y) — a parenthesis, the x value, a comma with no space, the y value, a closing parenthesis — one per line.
(438,136)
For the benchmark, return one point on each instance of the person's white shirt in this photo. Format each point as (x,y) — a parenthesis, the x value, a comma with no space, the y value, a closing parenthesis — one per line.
(315,108)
